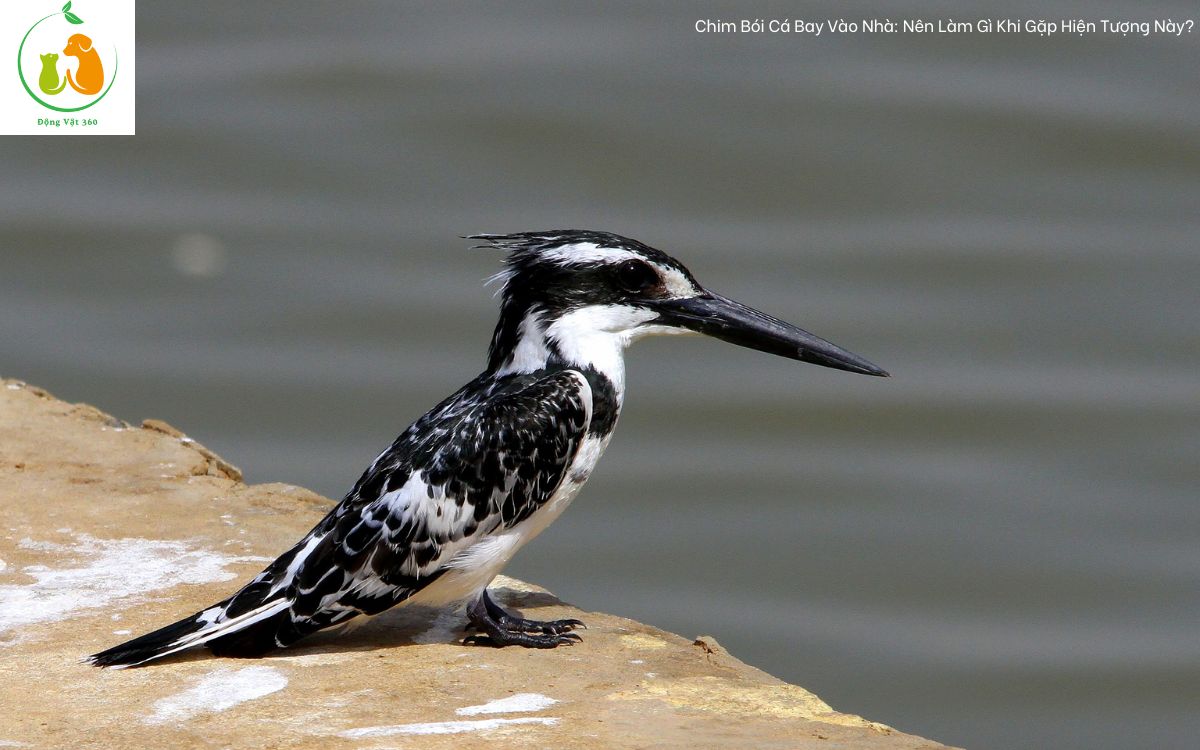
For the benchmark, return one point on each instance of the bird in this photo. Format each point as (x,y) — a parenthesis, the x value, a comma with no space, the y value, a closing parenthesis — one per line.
(439,513)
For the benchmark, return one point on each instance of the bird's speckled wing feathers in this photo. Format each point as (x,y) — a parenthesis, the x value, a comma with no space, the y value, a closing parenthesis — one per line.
(485,458)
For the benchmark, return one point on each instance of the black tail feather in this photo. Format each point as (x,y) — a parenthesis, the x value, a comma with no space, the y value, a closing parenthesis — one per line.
(278,631)
(147,646)
(255,640)
(232,627)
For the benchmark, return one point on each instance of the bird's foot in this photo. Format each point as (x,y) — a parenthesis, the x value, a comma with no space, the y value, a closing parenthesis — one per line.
(499,628)
(514,624)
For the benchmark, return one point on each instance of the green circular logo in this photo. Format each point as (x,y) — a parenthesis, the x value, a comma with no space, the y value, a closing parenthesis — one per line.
(79,87)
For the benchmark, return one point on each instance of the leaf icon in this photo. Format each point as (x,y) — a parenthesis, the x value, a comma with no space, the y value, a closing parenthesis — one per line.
(66,7)
(72,17)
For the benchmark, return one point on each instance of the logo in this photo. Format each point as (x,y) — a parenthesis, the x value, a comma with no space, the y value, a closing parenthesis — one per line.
(75,87)
(75,67)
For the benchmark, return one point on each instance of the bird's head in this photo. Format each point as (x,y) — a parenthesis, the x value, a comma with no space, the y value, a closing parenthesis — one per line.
(574,294)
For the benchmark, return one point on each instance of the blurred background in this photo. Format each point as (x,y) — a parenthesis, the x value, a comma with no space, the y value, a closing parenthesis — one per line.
(996,548)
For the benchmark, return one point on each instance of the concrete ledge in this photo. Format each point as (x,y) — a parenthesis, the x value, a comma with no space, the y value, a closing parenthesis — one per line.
(110,530)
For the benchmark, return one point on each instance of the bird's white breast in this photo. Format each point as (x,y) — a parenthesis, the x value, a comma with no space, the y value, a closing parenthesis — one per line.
(473,569)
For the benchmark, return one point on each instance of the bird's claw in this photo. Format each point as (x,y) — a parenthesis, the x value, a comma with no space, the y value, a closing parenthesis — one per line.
(499,628)
(528,640)
(552,627)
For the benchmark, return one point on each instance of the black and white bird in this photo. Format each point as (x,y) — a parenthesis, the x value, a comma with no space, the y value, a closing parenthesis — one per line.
(441,512)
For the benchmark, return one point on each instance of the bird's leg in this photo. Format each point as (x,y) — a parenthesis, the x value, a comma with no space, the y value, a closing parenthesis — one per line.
(516,624)
(499,628)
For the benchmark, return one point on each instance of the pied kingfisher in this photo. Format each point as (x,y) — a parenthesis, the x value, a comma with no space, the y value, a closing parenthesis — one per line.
(440,513)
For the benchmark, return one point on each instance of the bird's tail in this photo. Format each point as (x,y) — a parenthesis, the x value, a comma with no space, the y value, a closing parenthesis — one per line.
(249,633)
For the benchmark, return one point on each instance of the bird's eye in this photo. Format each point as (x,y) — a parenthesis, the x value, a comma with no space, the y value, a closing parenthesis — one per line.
(636,276)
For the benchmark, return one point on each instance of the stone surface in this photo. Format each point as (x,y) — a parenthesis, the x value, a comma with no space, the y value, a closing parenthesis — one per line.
(110,530)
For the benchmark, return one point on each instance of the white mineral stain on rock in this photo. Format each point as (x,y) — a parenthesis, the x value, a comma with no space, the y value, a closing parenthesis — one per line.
(91,573)
(513,704)
(221,689)
(445,727)
(445,628)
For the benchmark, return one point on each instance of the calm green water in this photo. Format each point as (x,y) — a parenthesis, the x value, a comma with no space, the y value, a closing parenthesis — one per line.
(997,547)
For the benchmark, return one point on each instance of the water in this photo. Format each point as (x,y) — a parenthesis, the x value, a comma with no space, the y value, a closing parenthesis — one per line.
(997,547)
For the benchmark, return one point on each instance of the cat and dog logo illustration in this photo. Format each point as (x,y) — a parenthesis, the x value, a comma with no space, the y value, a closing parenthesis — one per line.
(88,77)
(63,84)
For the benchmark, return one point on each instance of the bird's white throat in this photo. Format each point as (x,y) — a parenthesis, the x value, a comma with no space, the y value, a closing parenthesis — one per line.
(594,336)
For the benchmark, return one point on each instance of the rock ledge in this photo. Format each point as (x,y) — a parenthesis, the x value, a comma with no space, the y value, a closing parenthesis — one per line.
(110,529)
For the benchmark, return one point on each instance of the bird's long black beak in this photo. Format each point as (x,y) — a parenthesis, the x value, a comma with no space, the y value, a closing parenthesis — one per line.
(728,320)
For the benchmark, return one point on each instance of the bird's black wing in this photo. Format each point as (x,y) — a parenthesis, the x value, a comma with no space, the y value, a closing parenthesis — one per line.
(486,458)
